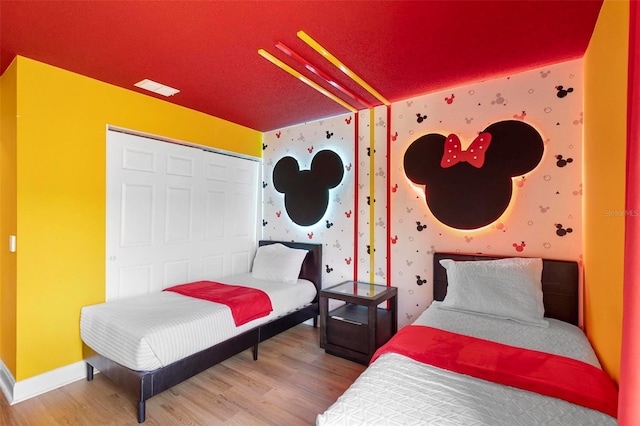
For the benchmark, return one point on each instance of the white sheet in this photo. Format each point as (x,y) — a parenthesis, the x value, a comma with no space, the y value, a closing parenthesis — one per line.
(396,390)
(151,331)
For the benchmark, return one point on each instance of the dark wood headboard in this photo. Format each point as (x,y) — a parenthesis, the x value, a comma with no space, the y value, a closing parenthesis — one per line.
(560,281)
(311,266)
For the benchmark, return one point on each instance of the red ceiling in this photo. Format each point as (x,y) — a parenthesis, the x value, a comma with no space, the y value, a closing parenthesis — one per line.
(208,49)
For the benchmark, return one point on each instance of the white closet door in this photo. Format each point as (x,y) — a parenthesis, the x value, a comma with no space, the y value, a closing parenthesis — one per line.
(175,214)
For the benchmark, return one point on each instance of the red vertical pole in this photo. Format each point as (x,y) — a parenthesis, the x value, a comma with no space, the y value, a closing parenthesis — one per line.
(388,195)
(356,169)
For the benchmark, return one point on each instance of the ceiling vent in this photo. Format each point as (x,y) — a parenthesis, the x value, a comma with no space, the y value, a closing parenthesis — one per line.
(156,87)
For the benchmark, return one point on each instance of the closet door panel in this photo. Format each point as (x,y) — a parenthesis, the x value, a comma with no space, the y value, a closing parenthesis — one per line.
(137,215)
(216,206)
(175,214)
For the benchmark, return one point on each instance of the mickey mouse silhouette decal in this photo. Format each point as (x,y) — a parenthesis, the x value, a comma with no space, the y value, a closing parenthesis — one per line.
(306,192)
(469,189)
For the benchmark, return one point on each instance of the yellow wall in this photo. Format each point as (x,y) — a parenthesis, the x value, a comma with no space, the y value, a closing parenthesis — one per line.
(61,197)
(604,181)
(8,85)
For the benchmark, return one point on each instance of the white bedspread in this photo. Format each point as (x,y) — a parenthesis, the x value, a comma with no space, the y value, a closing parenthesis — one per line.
(396,390)
(152,331)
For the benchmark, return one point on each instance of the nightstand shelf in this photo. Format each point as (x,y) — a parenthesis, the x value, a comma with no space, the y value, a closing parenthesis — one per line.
(356,329)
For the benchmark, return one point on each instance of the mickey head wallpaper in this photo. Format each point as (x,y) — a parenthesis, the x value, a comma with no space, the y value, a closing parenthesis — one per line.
(306,192)
(469,189)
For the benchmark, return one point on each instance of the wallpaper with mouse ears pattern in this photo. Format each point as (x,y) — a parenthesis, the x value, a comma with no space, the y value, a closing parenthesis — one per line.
(542,219)
(334,229)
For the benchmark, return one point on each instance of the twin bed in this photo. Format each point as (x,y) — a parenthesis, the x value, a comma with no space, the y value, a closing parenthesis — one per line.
(489,353)
(498,346)
(150,343)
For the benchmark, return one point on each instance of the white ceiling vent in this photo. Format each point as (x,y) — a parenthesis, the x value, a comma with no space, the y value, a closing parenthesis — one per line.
(156,87)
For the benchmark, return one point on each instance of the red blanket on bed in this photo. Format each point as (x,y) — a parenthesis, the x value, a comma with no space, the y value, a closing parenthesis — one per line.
(547,374)
(246,303)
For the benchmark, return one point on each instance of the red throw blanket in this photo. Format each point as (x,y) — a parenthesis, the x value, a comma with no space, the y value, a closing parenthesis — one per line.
(553,375)
(246,303)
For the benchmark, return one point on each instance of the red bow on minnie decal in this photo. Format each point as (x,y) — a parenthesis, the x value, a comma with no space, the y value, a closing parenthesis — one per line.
(474,155)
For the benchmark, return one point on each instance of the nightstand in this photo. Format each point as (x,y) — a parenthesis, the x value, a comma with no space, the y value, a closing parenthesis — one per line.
(356,329)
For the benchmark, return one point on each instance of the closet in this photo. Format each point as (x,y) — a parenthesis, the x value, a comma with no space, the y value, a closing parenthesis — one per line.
(176,213)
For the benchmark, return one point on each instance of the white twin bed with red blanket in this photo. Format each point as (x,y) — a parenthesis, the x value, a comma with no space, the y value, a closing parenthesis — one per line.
(486,355)
(147,344)
(152,331)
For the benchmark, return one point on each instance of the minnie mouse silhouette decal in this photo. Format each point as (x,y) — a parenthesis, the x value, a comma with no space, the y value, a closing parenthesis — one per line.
(468,189)
(306,192)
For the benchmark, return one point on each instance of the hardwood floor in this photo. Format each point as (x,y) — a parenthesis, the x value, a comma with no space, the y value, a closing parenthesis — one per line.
(292,381)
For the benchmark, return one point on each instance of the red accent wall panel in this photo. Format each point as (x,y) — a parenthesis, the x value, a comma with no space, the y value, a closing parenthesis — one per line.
(629,410)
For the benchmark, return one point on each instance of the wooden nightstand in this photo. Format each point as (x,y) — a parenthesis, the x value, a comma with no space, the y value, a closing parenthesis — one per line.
(358,328)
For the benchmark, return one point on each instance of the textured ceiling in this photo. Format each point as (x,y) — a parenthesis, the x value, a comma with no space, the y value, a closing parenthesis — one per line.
(209,49)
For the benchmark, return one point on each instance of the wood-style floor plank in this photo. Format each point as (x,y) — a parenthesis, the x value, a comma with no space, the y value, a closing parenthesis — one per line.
(290,384)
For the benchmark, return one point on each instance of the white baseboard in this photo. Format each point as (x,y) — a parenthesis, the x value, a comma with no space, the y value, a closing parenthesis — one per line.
(16,392)
(7,382)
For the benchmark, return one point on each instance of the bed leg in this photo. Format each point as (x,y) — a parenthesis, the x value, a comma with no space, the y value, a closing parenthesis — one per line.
(141,411)
(255,352)
(89,373)
(315,321)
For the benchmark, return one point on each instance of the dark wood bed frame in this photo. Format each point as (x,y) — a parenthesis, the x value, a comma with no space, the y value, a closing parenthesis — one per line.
(145,384)
(560,281)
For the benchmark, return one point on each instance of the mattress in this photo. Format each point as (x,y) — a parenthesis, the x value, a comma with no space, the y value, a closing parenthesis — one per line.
(151,331)
(396,390)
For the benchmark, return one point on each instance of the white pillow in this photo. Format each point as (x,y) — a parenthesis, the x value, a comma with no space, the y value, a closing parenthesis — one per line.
(277,262)
(505,288)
